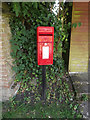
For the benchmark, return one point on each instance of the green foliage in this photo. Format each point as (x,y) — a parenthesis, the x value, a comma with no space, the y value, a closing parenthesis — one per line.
(75,24)
(27,17)
(16,8)
(79,24)
(41,110)
(84,97)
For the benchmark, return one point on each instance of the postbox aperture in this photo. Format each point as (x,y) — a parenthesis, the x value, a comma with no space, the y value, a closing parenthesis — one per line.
(45,41)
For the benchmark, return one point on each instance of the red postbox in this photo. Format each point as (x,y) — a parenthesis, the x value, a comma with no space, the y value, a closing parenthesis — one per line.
(45,42)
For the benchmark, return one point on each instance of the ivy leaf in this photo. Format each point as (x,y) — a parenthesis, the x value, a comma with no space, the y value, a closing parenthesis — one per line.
(74,25)
(79,24)
(15,68)
(70,4)
(16,8)
(36,5)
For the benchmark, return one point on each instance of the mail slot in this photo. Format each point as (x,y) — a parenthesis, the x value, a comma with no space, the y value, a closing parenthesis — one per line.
(45,42)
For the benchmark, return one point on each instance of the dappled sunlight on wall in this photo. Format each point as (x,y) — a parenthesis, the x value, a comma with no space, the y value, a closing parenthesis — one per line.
(78,59)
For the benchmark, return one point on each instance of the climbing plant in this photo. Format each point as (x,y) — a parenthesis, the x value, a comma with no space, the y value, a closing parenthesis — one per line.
(26,17)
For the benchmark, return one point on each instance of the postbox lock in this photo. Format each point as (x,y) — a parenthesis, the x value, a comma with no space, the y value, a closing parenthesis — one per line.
(45,44)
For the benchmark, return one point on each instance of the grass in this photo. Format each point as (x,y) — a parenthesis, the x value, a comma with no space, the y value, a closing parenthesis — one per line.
(27,104)
(42,110)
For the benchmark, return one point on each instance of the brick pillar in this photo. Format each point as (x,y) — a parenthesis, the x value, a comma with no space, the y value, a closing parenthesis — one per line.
(0,66)
(89,28)
(6,73)
(78,59)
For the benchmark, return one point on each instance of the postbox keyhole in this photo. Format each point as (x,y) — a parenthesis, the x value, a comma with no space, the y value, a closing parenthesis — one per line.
(45,44)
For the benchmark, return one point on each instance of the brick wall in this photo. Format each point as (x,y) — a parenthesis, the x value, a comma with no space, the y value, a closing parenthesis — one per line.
(6,73)
(0,67)
(89,28)
(78,59)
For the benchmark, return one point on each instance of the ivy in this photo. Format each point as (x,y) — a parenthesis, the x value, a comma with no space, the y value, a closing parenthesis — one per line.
(26,18)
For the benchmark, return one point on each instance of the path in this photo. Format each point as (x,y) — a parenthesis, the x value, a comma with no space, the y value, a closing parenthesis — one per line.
(82,86)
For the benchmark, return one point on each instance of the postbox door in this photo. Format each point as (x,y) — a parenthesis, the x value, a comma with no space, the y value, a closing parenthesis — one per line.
(45,53)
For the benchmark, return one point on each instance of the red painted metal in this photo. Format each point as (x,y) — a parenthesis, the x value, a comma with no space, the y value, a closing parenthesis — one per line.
(45,41)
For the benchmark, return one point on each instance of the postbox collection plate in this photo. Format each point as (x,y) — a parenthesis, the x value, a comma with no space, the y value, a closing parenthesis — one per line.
(45,41)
